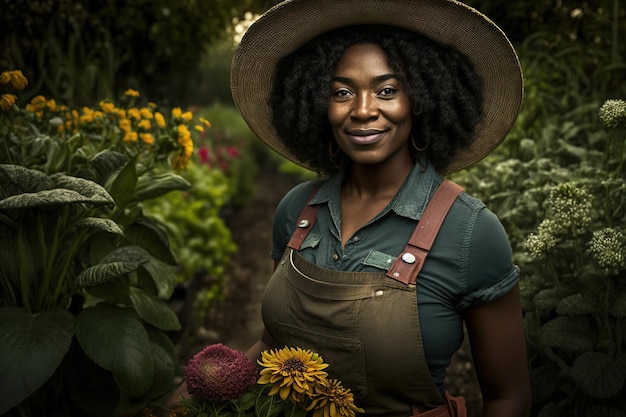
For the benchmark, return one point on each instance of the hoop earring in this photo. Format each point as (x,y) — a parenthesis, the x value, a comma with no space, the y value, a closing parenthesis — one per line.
(417,109)
(332,155)
(417,148)
(330,150)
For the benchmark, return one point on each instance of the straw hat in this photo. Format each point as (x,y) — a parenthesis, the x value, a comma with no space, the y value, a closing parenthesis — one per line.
(292,23)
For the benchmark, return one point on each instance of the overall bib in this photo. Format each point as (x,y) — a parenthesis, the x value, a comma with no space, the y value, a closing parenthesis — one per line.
(365,325)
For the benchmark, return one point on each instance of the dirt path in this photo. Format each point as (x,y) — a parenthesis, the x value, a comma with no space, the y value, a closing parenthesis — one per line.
(237,321)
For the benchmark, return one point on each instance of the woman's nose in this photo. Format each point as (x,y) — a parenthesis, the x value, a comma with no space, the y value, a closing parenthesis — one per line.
(365,107)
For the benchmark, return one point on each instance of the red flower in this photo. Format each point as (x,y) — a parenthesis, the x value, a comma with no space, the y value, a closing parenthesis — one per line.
(218,373)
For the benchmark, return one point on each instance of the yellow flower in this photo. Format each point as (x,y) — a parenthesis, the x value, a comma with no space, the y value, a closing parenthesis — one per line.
(176,112)
(36,105)
(205,122)
(147,138)
(17,79)
(293,372)
(160,120)
(124,125)
(130,137)
(131,93)
(7,101)
(107,106)
(144,124)
(51,104)
(187,116)
(133,113)
(199,128)
(146,113)
(331,399)
(180,162)
(5,77)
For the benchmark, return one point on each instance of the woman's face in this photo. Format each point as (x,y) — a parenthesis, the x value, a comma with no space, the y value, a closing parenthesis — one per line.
(369,109)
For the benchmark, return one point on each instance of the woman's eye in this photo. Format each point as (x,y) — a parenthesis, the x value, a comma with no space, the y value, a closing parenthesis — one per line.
(387,91)
(342,93)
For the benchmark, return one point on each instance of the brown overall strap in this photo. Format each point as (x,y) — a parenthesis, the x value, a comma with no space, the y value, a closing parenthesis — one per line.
(304,224)
(408,265)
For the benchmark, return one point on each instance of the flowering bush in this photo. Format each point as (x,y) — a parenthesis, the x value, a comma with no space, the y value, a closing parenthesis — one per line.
(84,274)
(291,382)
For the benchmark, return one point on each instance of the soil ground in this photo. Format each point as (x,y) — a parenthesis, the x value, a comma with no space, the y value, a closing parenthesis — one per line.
(237,321)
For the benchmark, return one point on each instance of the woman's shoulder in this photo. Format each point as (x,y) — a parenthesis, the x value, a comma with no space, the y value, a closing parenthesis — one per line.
(300,194)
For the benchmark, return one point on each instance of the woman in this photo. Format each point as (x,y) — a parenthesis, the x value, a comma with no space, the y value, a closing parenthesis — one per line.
(383,98)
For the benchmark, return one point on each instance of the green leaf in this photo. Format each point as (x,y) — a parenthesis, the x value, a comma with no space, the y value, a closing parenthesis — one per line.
(115,339)
(49,198)
(84,187)
(103,225)
(91,387)
(122,187)
(115,264)
(163,277)
(568,333)
(158,185)
(547,299)
(576,304)
(31,349)
(154,310)
(598,375)
(151,236)
(16,179)
(545,381)
(101,273)
(618,309)
(108,162)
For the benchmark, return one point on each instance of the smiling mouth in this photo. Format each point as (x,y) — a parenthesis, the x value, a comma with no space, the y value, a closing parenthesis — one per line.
(365,136)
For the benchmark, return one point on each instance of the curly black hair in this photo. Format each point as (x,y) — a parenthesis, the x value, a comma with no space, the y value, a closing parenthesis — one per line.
(444,89)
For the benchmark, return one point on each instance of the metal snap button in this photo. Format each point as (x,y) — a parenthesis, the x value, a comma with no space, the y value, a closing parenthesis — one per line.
(409,258)
(378,293)
(303,223)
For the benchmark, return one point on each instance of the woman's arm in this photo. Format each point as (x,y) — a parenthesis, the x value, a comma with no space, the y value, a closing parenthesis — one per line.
(498,344)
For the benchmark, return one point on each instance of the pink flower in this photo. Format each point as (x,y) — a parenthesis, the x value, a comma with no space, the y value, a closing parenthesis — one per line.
(219,373)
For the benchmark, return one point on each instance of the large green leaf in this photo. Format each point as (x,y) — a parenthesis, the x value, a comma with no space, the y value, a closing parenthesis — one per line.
(163,277)
(49,198)
(153,310)
(151,236)
(116,339)
(598,375)
(91,387)
(103,225)
(108,162)
(547,299)
(122,185)
(31,349)
(83,187)
(576,304)
(545,381)
(16,179)
(119,262)
(570,333)
(158,185)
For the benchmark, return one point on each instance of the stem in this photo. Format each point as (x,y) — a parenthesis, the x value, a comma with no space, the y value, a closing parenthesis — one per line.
(24,279)
(615,27)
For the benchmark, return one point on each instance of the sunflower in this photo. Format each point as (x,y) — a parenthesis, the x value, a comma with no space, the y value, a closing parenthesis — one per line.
(331,399)
(292,372)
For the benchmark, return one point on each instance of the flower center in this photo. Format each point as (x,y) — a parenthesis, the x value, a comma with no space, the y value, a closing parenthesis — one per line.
(292,365)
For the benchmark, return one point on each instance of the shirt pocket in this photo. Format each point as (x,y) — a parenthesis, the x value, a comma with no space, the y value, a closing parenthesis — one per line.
(379,260)
(312,240)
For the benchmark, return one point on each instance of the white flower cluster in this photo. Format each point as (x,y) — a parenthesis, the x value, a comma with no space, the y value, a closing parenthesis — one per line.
(607,248)
(613,114)
(538,244)
(569,206)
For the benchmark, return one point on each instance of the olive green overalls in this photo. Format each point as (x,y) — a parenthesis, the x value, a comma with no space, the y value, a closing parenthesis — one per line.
(365,325)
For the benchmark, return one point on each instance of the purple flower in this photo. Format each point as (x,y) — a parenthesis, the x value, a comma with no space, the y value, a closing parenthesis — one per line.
(219,373)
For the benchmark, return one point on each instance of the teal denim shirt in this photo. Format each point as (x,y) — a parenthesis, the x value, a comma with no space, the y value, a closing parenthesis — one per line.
(469,264)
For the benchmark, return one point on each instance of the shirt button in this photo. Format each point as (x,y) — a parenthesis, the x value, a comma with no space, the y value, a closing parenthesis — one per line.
(335,256)
(356,239)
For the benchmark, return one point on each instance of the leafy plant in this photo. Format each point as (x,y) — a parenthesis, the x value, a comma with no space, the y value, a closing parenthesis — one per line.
(84,273)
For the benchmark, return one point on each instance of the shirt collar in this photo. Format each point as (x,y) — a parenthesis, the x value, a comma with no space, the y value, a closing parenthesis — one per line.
(410,201)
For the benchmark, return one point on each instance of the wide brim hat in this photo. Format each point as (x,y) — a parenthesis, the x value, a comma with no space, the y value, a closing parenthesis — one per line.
(289,25)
